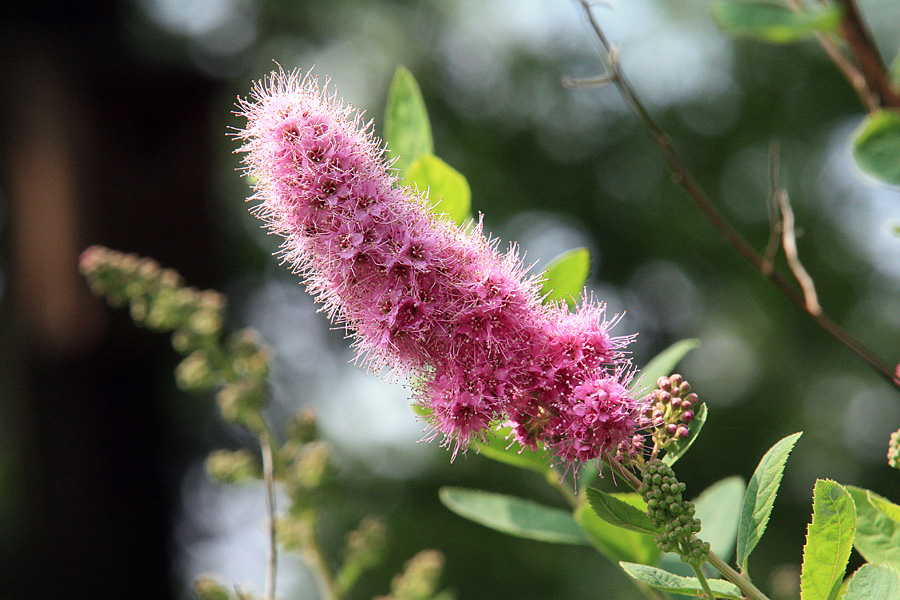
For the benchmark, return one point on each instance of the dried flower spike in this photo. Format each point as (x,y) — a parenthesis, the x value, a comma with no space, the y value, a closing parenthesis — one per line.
(422,295)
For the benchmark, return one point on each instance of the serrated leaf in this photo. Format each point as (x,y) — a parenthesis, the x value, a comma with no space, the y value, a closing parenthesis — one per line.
(829,539)
(774,21)
(444,186)
(664,363)
(407,130)
(871,582)
(760,497)
(614,542)
(719,509)
(565,276)
(676,584)
(877,533)
(620,513)
(876,145)
(681,446)
(514,516)
(501,448)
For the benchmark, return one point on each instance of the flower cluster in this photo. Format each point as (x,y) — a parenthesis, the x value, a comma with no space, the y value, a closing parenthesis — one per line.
(425,296)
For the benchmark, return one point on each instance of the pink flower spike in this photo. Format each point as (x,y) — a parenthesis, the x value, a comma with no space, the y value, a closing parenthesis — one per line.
(422,295)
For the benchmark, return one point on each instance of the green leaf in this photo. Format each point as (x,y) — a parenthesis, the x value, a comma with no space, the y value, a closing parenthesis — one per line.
(514,516)
(663,364)
(774,21)
(499,447)
(876,145)
(680,446)
(446,187)
(688,586)
(407,130)
(871,582)
(620,513)
(877,530)
(829,539)
(616,543)
(565,276)
(719,509)
(760,497)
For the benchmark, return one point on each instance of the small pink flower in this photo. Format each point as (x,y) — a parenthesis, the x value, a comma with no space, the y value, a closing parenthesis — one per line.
(423,295)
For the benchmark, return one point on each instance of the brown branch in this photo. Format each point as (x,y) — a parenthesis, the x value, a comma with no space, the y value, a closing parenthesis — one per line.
(854,31)
(681,175)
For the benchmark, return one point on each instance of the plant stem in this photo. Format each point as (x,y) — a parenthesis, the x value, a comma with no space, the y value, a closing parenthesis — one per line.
(703,582)
(683,178)
(741,581)
(269,478)
(854,31)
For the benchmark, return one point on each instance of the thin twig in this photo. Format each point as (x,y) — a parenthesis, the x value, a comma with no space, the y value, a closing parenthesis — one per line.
(682,177)
(854,31)
(269,478)
(784,226)
(789,242)
(845,65)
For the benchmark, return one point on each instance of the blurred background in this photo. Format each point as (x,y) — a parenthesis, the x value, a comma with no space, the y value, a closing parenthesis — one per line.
(114,121)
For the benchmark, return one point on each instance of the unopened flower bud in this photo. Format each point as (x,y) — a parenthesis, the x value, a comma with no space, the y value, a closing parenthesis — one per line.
(232,467)
(675,380)
(663,383)
(207,588)
(681,432)
(687,415)
(195,372)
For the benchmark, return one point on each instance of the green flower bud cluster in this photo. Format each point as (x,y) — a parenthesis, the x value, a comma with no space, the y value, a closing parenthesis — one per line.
(364,549)
(157,297)
(207,588)
(228,466)
(893,454)
(667,510)
(669,411)
(419,580)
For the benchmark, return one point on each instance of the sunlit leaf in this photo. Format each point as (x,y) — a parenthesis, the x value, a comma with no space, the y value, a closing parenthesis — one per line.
(614,542)
(874,581)
(565,275)
(719,509)
(407,130)
(621,513)
(676,584)
(760,497)
(445,187)
(514,516)
(877,531)
(774,21)
(876,145)
(829,539)
(678,449)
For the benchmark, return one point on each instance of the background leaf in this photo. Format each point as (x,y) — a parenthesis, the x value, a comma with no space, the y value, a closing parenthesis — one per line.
(514,516)
(407,130)
(689,586)
(443,185)
(760,497)
(498,447)
(719,509)
(774,21)
(614,542)
(565,276)
(664,363)
(877,534)
(829,539)
(874,581)
(621,513)
(876,146)
(681,446)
